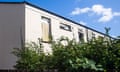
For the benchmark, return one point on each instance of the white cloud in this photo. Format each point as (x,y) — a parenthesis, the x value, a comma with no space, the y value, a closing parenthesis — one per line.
(105,18)
(116,13)
(98,9)
(106,14)
(83,23)
(84,10)
(78,11)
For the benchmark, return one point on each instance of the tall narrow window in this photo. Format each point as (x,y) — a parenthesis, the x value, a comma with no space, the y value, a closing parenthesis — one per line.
(81,35)
(65,27)
(46,29)
(93,35)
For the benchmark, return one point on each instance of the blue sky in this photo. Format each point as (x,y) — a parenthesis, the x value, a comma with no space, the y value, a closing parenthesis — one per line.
(96,14)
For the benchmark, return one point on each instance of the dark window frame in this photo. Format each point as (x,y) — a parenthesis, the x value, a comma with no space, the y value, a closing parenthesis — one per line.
(50,32)
(93,35)
(68,27)
(81,36)
(43,17)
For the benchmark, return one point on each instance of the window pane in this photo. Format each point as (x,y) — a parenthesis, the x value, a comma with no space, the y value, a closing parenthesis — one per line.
(65,27)
(81,36)
(93,35)
(45,32)
(45,29)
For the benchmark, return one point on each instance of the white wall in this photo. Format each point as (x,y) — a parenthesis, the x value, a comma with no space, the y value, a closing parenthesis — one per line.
(34,31)
(96,34)
(11,20)
(32,24)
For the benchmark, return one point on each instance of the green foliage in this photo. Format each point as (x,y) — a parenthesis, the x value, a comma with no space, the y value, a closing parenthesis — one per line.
(70,56)
(104,52)
(28,57)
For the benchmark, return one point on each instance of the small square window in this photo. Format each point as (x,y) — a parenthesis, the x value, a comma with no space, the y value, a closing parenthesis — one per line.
(65,27)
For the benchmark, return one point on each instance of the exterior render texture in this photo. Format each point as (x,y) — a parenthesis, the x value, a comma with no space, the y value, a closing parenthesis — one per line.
(22,20)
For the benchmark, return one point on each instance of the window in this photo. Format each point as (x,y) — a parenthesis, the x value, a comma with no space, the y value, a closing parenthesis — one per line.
(80,30)
(80,35)
(46,29)
(45,19)
(93,35)
(65,27)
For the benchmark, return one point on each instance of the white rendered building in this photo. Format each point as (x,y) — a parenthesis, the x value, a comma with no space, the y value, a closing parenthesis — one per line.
(29,22)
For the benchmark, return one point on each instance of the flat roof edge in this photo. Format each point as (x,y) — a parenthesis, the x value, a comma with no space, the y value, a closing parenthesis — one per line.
(13,2)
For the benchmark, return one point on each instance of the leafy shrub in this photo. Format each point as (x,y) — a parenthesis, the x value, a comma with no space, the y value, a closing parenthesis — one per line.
(71,56)
(29,57)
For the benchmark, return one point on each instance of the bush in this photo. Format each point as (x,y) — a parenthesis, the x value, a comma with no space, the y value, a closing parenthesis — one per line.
(28,59)
(71,56)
